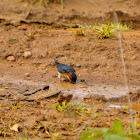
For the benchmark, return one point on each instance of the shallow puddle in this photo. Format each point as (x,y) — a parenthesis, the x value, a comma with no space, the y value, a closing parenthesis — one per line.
(79,90)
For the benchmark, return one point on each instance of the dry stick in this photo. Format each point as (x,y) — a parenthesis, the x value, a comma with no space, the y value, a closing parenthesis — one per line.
(124,71)
(58,121)
(93,2)
(62,5)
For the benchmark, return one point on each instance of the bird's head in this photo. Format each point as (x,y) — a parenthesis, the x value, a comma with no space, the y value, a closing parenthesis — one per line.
(73,77)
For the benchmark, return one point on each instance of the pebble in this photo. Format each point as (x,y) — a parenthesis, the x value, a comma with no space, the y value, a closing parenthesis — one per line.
(22,28)
(27,74)
(11,58)
(27,54)
(78,65)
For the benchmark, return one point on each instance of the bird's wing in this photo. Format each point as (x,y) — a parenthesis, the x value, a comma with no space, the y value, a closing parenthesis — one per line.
(62,68)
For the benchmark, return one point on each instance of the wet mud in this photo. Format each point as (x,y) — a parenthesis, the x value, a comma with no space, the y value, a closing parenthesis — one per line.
(31,36)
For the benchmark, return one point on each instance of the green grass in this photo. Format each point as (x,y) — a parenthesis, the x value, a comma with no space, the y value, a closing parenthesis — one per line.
(117,133)
(79,32)
(17,106)
(74,108)
(107,30)
(56,136)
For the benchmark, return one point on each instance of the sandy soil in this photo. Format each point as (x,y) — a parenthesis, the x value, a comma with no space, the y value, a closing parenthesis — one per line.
(43,33)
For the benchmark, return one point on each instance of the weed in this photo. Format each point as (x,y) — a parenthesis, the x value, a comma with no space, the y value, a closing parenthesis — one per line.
(109,134)
(31,36)
(79,32)
(56,136)
(23,138)
(136,124)
(126,108)
(107,30)
(121,27)
(74,108)
(17,106)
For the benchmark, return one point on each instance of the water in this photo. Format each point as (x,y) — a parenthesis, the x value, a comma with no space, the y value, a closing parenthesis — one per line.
(79,90)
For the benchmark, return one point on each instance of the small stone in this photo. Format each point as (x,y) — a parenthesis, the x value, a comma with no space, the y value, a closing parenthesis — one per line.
(27,54)
(44,72)
(7,108)
(83,80)
(11,58)
(22,28)
(45,87)
(78,65)
(15,127)
(27,75)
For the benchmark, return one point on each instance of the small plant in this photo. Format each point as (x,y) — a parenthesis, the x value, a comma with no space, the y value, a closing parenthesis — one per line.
(74,108)
(79,32)
(116,133)
(23,138)
(56,136)
(31,36)
(136,124)
(17,106)
(126,108)
(105,31)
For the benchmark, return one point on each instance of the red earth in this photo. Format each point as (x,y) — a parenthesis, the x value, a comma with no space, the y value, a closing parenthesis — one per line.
(30,35)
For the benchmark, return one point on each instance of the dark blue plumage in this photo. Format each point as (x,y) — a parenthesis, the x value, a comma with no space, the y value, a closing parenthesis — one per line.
(62,68)
(65,71)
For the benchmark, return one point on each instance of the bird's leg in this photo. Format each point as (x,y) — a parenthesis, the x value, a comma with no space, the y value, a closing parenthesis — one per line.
(59,76)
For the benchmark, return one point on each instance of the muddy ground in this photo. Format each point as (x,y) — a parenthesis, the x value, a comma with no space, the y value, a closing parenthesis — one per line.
(31,35)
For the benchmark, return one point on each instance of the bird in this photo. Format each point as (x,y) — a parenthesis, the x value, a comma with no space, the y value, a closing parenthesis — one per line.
(65,71)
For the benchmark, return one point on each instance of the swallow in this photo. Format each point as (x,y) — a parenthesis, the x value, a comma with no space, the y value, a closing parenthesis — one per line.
(65,71)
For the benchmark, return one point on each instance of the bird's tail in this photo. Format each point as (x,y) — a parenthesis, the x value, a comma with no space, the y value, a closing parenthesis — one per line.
(56,61)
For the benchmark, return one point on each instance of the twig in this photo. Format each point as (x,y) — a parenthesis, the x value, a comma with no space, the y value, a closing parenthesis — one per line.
(124,71)
(62,4)
(58,121)
(80,114)
(48,133)
(76,129)
(93,2)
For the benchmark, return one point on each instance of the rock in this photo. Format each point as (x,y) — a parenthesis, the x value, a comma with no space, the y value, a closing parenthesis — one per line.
(11,58)
(15,127)
(27,54)
(27,74)
(45,87)
(22,28)
(83,80)
(62,98)
(78,65)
